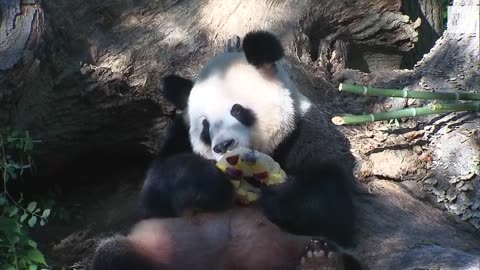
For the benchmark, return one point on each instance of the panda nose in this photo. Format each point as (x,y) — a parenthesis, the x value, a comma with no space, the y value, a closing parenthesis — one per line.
(222,147)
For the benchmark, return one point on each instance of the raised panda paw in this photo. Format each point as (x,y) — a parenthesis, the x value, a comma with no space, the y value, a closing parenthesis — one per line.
(321,255)
(248,170)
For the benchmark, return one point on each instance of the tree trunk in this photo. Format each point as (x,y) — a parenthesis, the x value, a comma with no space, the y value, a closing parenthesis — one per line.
(83,76)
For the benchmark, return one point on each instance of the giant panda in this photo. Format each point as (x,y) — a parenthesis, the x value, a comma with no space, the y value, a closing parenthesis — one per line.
(247,99)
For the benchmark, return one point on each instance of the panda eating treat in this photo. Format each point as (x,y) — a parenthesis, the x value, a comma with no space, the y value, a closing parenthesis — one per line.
(240,102)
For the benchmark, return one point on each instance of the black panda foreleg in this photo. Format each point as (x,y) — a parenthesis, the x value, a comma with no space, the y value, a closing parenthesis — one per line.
(184,184)
(315,201)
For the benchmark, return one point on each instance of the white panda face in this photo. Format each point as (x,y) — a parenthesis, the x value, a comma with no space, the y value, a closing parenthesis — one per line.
(233,104)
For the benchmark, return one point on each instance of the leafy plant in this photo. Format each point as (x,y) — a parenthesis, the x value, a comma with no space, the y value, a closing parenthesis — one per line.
(18,251)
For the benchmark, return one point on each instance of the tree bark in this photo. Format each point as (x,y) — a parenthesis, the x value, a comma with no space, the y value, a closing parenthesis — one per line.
(87,81)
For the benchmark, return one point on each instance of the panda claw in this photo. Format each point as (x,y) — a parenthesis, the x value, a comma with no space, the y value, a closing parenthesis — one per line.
(331,255)
(318,255)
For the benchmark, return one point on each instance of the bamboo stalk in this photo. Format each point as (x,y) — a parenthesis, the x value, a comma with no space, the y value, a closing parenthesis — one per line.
(471,106)
(373,117)
(372,91)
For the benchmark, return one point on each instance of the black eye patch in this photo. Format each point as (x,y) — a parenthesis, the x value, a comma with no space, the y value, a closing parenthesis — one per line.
(205,135)
(243,115)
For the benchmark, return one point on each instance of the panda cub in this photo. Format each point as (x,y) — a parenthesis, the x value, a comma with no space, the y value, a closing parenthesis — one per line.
(247,99)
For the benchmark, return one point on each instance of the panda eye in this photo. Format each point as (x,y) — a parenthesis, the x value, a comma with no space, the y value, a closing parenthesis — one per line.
(205,135)
(243,115)
(236,110)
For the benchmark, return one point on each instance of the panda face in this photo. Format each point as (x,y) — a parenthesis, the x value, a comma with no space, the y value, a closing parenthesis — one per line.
(239,99)
(233,103)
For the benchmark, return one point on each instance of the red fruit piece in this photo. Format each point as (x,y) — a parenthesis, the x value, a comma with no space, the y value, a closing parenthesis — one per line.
(234,173)
(233,160)
(261,176)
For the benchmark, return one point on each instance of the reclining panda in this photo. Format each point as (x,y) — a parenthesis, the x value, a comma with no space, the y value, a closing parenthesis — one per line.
(247,99)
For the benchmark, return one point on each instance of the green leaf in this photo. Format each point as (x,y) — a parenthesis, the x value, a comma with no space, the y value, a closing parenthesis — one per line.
(42,222)
(36,256)
(15,166)
(23,217)
(3,200)
(32,243)
(13,211)
(9,267)
(28,145)
(11,172)
(33,267)
(12,239)
(46,213)
(31,206)
(32,221)
(8,226)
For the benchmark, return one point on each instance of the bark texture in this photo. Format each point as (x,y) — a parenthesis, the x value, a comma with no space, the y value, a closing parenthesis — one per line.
(86,80)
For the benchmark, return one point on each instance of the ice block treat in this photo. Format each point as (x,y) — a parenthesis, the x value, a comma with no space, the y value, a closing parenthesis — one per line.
(248,169)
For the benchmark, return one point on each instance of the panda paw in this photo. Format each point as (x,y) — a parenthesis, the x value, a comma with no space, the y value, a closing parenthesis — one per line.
(233,44)
(319,255)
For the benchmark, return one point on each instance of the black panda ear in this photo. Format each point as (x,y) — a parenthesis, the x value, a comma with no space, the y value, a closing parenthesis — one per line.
(177,90)
(262,47)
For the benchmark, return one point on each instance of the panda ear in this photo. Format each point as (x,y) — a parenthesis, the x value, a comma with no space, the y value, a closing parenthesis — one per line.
(261,48)
(177,90)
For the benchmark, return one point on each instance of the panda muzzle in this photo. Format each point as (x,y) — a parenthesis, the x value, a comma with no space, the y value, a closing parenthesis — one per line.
(224,146)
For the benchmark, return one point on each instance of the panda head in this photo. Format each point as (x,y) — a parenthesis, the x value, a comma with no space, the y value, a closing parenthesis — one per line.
(239,99)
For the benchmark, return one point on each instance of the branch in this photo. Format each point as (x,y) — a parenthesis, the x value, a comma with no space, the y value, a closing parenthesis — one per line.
(371,91)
